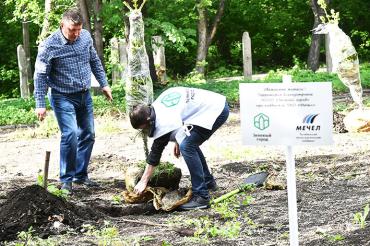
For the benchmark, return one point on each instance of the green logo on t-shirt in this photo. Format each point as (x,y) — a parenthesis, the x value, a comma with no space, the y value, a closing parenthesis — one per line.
(171,99)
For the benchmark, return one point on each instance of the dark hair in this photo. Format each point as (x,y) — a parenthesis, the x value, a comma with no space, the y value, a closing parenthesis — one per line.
(139,115)
(74,15)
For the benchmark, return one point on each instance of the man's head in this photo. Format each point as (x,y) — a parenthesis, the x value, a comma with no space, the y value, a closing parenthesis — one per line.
(71,24)
(140,116)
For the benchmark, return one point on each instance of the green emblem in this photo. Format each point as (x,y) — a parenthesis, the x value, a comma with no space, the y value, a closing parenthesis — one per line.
(261,121)
(171,99)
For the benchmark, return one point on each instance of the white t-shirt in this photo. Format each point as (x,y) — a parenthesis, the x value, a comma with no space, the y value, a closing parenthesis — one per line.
(179,108)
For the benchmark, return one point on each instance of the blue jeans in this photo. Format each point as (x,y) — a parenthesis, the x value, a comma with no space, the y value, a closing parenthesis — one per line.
(194,158)
(74,113)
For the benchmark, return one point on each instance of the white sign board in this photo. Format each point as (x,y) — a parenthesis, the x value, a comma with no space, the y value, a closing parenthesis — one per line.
(286,113)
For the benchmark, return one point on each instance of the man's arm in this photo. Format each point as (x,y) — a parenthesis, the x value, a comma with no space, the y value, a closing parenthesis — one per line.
(42,70)
(99,73)
(153,160)
(157,148)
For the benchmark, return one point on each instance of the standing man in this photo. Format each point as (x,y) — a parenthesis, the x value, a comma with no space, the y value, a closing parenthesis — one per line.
(64,63)
(188,117)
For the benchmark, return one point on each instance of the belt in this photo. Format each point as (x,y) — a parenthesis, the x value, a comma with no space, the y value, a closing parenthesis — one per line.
(84,90)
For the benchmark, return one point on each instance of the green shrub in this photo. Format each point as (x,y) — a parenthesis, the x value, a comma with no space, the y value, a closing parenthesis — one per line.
(301,75)
(17,111)
(9,82)
(115,108)
(224,71)
(21,111)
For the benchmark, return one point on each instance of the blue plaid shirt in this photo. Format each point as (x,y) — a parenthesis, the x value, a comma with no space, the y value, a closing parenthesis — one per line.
(66,67)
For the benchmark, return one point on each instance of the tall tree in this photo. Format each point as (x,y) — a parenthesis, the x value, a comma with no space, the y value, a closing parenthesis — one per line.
(313,60)
(84,7)
(26,46)
(98,29)
(46,23)
(206,33)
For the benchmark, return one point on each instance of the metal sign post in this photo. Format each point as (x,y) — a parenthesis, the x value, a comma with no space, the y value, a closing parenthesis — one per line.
(291,186)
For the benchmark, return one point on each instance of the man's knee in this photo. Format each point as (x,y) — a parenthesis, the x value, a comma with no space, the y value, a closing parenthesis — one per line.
(69,135)
(186,147)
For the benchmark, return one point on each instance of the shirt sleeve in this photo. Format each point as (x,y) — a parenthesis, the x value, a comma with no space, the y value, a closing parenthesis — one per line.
(157,149)
(42,71)
(97,67)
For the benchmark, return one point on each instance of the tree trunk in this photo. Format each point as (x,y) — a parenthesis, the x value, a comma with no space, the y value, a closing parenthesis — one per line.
(205,38)
(26,46)
(127,28)
(126,21)
(82,4)
(46,23)
(98,30)
(313,60)
(202,40)
(159,59)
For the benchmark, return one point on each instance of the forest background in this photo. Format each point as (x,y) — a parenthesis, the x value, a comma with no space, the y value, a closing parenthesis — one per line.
(280,31)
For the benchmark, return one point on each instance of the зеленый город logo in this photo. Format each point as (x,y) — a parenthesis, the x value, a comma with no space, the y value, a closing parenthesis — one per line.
(261,121)
(171,99)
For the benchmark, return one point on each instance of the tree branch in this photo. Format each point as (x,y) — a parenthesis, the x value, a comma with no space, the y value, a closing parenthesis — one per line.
(216,21)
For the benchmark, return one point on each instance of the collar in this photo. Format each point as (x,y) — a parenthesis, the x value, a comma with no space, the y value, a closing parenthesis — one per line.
(61,37)
(152,122)
(64,40)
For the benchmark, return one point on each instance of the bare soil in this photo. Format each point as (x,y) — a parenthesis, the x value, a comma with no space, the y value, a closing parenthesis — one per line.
(333,183)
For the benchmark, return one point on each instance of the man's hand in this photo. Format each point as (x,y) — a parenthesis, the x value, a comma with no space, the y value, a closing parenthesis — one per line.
(41,113)
(140,187)
(107,91)
(176,150)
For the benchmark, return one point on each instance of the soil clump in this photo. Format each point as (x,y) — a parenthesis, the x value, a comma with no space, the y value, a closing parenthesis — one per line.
(45,212)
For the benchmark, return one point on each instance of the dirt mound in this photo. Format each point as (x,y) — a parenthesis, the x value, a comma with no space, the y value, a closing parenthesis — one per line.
(34,206)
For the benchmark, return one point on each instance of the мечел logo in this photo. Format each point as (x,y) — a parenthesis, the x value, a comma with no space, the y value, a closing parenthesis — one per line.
(309,119)
(308,125)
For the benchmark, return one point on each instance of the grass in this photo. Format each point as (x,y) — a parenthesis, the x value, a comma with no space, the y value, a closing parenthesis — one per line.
(109,235)
(227,223)
(163,168)
(18,111)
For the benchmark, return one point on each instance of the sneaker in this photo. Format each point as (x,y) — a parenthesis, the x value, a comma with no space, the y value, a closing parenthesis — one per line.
(87,182)
(196,202)
(212,186)
(67,186)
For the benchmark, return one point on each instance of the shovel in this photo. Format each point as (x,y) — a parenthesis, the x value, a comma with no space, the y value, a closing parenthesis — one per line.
(254,180)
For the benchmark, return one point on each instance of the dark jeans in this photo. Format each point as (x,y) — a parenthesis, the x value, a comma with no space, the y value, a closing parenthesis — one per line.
(74,113)
(194,158)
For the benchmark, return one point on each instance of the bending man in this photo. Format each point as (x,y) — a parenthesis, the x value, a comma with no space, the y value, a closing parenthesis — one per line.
(188,117)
